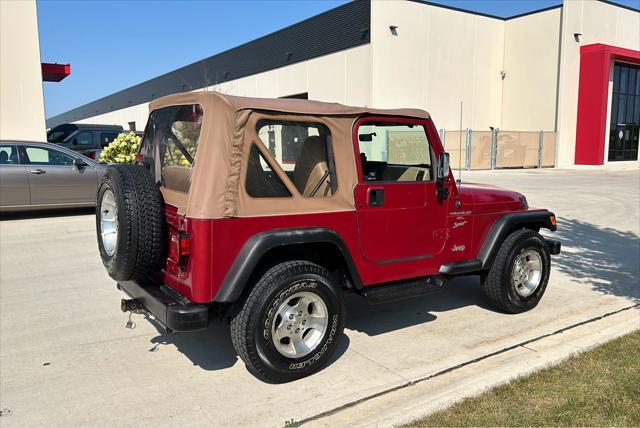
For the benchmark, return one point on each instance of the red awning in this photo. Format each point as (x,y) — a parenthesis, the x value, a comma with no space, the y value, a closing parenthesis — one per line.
(55,72)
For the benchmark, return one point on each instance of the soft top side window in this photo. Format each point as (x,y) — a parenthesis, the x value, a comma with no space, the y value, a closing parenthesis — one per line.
(171,140)
(262,181)
(304,152)
(394,152)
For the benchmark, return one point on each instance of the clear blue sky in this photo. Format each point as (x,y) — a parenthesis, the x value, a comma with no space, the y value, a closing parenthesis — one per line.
(112,45)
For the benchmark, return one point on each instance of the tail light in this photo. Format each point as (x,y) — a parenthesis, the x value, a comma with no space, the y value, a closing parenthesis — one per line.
(179,248)
(92,155)
(185,245)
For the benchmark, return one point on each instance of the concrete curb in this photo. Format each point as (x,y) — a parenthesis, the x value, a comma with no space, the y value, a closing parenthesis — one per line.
(422,397)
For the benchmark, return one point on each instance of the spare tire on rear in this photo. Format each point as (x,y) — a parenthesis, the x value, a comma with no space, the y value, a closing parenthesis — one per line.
(129,222)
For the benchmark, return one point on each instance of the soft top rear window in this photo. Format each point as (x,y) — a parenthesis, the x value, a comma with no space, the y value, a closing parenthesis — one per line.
(171,140)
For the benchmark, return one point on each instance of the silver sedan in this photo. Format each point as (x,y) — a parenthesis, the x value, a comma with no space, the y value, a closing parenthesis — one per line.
(42,175)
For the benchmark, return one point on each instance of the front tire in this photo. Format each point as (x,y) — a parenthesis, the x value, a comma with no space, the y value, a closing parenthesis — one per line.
(290,323)
(519,274)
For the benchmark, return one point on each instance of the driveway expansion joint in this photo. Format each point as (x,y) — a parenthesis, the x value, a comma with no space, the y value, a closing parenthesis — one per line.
(381,365)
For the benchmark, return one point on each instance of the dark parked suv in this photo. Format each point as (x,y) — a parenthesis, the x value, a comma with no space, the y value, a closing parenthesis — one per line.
(84,138)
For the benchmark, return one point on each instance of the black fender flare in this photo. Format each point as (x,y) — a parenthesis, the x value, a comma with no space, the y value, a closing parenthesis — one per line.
(505,224)
(257,246)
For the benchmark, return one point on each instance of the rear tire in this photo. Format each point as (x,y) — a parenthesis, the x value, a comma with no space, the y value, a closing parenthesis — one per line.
(291,296)
(519,274)
(129,222)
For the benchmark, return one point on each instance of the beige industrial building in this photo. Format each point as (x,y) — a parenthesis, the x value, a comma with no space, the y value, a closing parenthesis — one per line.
(546,79)
(21,100)
(22,74)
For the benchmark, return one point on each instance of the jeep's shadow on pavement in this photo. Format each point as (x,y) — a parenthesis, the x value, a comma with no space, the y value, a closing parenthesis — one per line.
(375,319)
(605,259)
(211,349)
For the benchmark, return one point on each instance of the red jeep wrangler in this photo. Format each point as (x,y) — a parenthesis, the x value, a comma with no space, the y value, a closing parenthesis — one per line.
(268,211)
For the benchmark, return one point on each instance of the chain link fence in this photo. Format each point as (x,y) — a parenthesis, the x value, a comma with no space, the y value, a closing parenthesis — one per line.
(478,150)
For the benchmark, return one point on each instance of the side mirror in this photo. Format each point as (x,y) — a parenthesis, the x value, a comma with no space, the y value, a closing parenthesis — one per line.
(79,163)
(443,166)
(443,173)
(74,142)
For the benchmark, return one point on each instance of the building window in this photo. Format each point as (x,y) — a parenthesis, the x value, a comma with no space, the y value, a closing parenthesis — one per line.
(625,113)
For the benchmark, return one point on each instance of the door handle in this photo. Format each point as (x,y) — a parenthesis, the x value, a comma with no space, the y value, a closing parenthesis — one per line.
(37,171)
(376,197)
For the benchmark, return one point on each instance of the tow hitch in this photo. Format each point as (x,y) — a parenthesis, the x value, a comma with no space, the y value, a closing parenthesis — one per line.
(133,306)
(160,303)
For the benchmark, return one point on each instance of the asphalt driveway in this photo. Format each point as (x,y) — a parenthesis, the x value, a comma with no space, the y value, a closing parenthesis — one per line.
(66,358)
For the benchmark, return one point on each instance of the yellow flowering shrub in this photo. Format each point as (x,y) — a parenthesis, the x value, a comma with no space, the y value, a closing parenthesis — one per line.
(122,150)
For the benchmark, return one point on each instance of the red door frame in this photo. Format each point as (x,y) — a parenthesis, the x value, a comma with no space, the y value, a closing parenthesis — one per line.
(593,92)
(413,215)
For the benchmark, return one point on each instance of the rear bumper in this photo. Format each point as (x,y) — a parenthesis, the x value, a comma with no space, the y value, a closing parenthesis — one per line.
(554,246)
(171,309)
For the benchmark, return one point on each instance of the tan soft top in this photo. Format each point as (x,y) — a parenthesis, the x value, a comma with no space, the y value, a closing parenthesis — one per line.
(283,105)
(228,131)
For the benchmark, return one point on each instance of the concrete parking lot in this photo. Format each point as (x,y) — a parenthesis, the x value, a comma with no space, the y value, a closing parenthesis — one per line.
(66,358)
